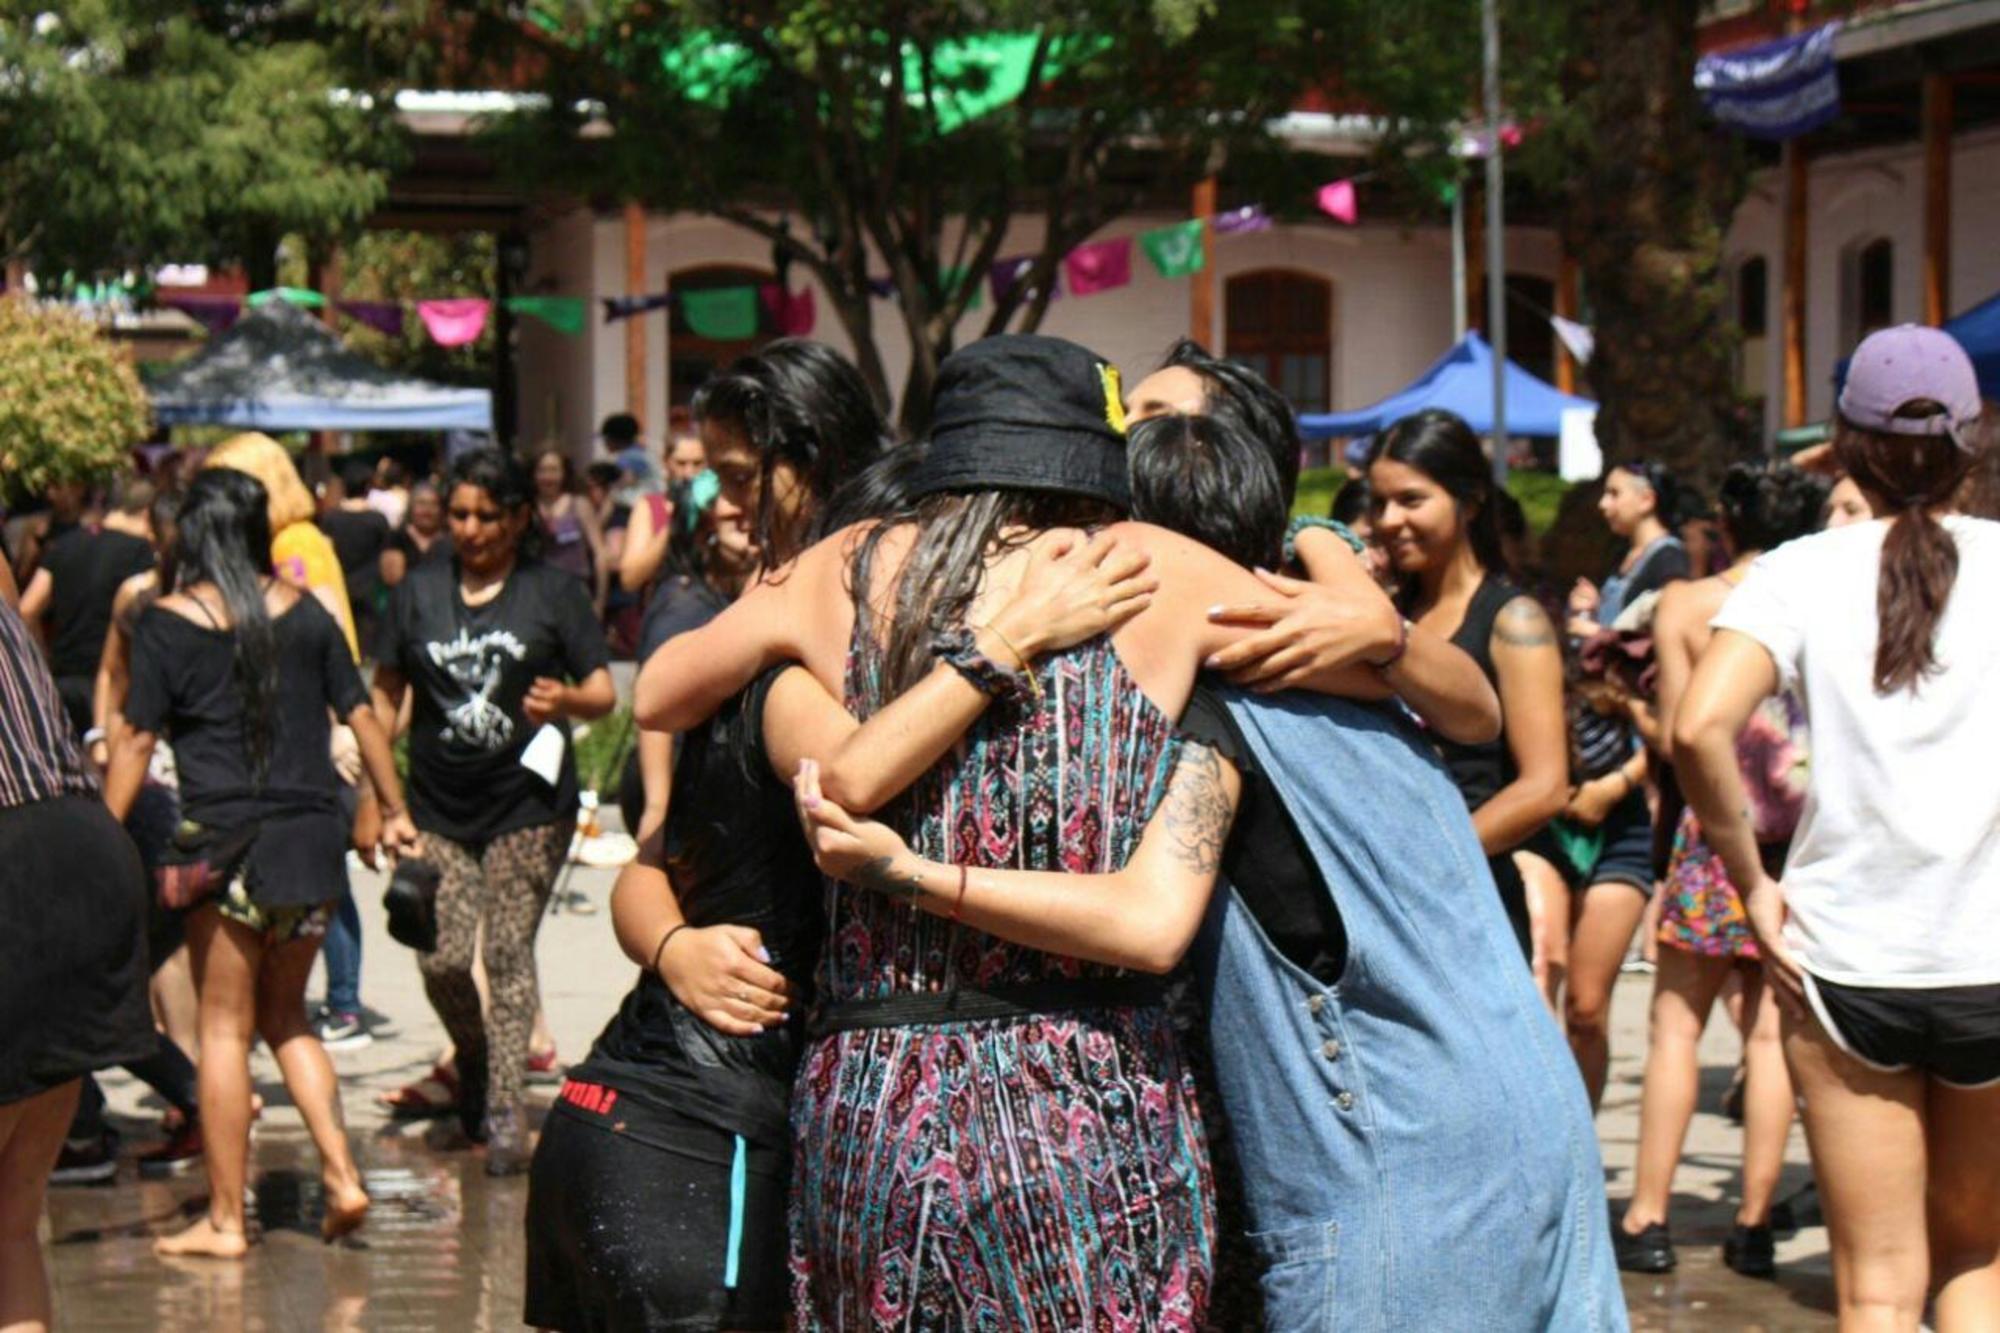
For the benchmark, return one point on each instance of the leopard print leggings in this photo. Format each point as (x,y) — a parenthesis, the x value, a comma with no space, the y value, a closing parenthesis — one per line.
(507,882)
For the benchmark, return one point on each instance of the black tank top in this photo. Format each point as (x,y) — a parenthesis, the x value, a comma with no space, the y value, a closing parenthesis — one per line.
(1481,770)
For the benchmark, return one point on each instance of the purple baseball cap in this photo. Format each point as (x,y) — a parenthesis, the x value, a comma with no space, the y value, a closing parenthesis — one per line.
(1910,362)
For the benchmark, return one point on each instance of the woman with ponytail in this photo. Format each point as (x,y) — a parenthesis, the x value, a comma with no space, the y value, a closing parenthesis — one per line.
(243,670)
(1881,938)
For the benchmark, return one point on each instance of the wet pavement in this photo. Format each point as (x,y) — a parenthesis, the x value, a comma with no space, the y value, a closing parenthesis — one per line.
(442,1248)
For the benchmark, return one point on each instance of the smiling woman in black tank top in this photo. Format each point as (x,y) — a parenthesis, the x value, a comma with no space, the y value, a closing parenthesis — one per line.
(1434,511)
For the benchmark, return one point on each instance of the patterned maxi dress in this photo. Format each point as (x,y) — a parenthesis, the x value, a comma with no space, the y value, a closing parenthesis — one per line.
(1047,1173)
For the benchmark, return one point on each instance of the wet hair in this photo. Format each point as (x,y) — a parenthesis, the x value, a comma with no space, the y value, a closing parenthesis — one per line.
(1911,475)
(799,403)
(1354,502)
(164,515)
(1440,445)
(605,473)
(507,482)
(1764,505)
(957,535)
(879,490)
(1247,404)
(1673,504)
(223,536)
(1207,478)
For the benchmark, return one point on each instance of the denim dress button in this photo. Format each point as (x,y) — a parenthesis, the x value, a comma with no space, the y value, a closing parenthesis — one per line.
(1345,1101)
(1315,1003)
(1331,1050)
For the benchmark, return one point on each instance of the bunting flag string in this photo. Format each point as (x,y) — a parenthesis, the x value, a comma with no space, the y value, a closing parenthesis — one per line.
(624,307)
(1336,200)
(385,317)
(564,314)
(726,314)
(1100,266)
(1242,221)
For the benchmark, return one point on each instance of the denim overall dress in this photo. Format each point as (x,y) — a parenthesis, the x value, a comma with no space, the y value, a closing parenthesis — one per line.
(1416,1146)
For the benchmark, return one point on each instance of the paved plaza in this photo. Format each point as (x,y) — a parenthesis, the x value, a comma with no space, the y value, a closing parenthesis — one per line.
(442,1248)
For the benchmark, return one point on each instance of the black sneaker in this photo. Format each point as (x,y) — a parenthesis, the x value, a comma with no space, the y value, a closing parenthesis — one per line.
(1750,1251)
(181,1152)
(1651,1251)
(342,1032)
(1798,1210)
(92,1162)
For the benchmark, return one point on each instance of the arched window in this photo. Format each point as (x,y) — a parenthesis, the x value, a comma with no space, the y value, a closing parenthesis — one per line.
(1867,289)
(1279,323)
(692,358)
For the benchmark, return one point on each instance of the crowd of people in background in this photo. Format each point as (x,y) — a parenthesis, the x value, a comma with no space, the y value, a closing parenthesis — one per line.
(1071,891)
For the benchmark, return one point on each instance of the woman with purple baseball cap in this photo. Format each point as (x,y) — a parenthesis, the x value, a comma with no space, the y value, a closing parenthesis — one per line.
(1882,936)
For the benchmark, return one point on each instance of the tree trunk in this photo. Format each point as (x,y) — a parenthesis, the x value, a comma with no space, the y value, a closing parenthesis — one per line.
(1648,205)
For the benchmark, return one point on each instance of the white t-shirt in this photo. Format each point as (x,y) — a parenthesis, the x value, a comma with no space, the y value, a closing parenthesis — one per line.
(1894,874)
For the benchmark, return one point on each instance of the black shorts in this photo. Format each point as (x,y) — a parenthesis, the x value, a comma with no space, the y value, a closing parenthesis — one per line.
(624,1234)
(1951,1033)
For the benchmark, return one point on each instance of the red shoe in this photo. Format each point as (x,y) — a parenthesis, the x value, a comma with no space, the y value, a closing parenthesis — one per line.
(181,1152)
(543,1067)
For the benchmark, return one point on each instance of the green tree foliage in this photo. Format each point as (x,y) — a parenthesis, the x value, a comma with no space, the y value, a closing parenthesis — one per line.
(70,405)
(139,131)
(902,139)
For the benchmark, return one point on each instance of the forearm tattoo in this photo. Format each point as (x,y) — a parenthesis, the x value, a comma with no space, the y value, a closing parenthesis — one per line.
(1198,809)
(1522,624)
(881,876)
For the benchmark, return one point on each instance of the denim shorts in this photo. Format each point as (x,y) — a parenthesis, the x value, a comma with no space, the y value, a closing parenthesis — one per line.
(1624,847)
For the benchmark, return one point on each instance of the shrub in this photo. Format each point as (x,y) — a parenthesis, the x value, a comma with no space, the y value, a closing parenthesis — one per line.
(71,407)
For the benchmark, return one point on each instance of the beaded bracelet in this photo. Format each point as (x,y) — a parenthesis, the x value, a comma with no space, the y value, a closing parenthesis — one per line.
(957,649)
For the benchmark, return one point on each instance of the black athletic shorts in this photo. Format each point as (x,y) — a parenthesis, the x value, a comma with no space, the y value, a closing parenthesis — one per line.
(625,1233)
(1951,1033)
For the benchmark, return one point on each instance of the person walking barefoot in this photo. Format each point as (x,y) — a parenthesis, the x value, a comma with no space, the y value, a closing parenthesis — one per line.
(243,671)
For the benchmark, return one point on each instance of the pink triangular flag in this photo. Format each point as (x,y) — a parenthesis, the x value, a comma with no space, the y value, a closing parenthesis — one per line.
(1099,266)
(1336,200)
(456,321)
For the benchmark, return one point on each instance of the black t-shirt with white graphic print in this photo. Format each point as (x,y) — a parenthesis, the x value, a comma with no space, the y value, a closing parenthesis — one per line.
(469,668)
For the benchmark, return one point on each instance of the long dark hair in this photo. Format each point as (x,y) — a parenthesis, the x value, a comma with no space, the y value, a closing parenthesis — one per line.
(1246,404)
(800,403)
(1208,478)
(1440,445)
(507,482)
(222,535)
(1764,505)
(1911,475)
(957,534)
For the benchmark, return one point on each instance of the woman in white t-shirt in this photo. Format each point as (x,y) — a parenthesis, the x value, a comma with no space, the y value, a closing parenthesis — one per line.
(1883,940)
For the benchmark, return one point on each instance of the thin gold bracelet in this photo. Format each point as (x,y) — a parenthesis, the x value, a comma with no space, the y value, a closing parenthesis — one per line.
(1025,668)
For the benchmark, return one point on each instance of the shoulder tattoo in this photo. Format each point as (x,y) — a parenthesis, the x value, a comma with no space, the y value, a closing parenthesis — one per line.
(1523,624)
(1198,810)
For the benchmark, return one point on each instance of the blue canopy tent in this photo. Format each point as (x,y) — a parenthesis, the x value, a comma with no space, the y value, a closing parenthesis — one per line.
(1978,332)
(1460,381)
(279,368)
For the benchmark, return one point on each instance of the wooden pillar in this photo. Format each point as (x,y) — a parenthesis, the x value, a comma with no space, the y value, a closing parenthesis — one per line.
(1201,287)
(1475,264)
(1566,274)
(1938,99)
(1792,289)
(635,327)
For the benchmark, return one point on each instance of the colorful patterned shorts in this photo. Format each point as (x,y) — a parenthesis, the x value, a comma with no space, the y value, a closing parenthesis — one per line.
(1703,913)
(278,925)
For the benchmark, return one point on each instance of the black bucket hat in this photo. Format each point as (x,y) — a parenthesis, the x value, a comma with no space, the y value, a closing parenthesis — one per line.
(1024,412)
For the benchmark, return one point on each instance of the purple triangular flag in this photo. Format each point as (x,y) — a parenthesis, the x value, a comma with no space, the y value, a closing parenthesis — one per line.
(217,314)
(1007,274)
(1237,221)
(624,307)
(385,317)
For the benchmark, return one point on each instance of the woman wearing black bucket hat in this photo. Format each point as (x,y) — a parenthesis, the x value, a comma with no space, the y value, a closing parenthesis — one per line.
(944,1054)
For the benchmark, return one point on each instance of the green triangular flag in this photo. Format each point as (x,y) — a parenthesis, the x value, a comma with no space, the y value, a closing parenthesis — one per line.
(725,314)
(952,278)
(295,295)
(564,314)
(1175,251)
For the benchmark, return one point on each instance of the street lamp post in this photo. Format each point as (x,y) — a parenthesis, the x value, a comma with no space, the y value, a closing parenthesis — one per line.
(1496,239)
